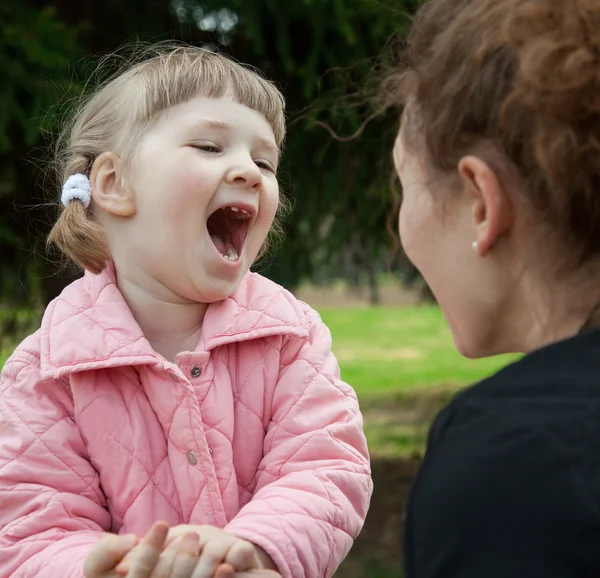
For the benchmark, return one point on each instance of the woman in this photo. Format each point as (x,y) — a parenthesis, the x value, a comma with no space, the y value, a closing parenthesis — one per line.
(499,158)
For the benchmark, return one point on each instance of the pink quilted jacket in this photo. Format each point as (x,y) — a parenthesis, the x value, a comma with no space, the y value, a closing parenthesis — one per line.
(253,432)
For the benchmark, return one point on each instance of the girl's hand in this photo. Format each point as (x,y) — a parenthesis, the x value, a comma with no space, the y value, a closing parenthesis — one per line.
(203,552)
(104,557)
(222,554)
(257,574)
(176,559)
(106,554)
(228,571)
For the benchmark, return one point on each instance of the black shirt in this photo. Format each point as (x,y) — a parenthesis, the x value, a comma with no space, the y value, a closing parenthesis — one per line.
(510,482)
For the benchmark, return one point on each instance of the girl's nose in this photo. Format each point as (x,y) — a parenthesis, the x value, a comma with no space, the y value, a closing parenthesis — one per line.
(245,173)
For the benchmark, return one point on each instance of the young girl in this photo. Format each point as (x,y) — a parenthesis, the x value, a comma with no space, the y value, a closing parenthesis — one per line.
(169,383)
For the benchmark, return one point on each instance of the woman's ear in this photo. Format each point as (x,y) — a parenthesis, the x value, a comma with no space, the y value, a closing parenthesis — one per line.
(109,192)
(492,206)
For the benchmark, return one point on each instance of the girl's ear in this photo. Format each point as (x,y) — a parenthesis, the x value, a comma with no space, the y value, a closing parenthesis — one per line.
(109,191)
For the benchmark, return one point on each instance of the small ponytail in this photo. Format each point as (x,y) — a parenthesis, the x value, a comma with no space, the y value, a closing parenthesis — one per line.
(78,234)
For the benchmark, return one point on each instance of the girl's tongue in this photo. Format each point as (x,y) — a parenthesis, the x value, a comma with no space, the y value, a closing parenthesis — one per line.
(219,244)
(227,229)
(226,249)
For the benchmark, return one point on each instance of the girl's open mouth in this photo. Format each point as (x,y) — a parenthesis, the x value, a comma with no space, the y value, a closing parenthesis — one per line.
(228,228)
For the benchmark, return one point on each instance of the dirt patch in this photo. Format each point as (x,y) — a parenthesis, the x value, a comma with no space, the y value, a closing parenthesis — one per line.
(409,408)
(345,353)
(320,296)
(407,353)
(396,428)
(377,552)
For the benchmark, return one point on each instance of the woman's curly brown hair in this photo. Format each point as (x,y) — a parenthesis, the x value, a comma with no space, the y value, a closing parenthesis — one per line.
(524,76)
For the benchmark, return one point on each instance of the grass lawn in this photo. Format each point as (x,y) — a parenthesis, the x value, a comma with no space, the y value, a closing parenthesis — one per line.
(401,361)
(383,350)
(14,326)
(404,367)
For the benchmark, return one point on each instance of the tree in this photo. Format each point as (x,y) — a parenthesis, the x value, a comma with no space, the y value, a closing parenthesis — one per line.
(322,53)
(35,50)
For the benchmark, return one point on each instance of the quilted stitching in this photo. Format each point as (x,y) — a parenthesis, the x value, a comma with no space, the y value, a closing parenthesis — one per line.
(294,480)
(38,439)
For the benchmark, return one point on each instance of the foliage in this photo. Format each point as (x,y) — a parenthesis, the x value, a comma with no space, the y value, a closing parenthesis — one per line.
(35,51)
(36,48)
(324,56)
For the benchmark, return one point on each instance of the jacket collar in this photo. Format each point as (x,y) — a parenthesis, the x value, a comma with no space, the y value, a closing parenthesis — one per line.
(90,326)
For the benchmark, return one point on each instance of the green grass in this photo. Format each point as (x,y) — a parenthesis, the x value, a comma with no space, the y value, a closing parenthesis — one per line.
(4,355)
(404,367)
(380,350)
(384,350)
(401,362)
(15,324)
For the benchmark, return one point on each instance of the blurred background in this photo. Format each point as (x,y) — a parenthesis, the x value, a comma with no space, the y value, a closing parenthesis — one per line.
(340,253)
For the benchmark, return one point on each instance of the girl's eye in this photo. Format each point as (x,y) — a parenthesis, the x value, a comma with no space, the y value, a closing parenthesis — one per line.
(207,148)
(265,166)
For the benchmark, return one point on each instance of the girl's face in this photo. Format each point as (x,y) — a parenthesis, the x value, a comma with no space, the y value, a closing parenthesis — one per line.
(204,194)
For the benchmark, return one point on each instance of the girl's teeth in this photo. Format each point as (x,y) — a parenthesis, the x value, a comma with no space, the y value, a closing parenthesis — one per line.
(231,254)
(243,214)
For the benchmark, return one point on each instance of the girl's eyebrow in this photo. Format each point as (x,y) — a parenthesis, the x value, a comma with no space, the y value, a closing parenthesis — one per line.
(221,125)
(266,143)
(217,124)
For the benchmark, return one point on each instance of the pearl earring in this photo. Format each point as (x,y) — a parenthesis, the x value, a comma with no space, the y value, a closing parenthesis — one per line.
(475,244)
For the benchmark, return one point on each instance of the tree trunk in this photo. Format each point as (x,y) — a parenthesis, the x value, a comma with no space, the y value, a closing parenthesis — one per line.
(374,295)
(55,279)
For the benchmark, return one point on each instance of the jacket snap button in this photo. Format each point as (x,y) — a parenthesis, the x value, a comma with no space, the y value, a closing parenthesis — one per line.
(196,371)
(192,458)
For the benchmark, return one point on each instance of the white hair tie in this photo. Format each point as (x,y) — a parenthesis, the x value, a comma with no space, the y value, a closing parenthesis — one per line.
(77,187)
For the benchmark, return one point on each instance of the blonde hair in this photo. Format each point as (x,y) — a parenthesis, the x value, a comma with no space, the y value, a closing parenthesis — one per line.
(115,116)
